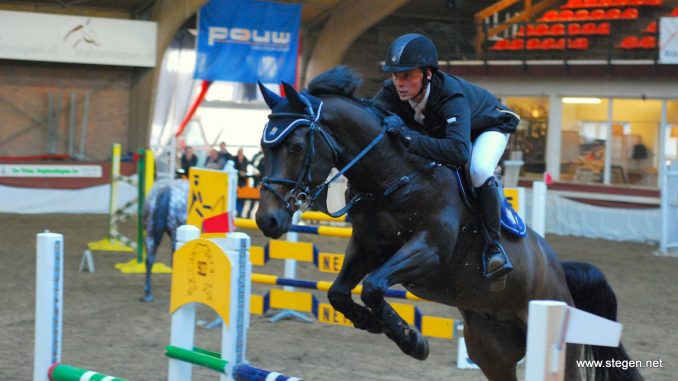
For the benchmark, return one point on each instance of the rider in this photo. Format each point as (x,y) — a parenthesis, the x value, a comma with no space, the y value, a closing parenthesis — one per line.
(458,122)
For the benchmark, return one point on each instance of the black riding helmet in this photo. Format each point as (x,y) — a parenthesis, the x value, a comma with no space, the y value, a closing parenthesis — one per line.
(410,51)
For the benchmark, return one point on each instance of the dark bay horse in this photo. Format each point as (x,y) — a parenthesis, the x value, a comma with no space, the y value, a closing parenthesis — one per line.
(410,227)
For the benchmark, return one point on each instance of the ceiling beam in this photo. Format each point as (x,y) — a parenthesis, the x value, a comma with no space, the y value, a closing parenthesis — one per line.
(348,20)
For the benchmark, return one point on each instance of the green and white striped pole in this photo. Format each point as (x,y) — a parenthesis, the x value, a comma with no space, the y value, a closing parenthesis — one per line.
(63,372)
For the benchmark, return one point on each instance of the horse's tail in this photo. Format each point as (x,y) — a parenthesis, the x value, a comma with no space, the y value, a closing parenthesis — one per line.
(592,293)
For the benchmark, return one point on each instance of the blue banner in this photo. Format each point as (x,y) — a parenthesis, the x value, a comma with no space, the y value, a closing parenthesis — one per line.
(246,41)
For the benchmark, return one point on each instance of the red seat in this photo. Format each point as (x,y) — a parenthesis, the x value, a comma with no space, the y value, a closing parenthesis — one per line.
(613,14)
(521,31)
(634,3)
(629,42)
(533,44)
(573,29)
(648,42)
(549,16)
(517,44)
(603,29)
(597,14)
(531,30)
(500,45)
(604,3)
(560,44)
(630,14)
(589,28)
(579,43)
(651,28)
(557,30)
(590,3)
(653,3)
(566,15)
(548,44)
(619,3)
(540,30)
(581,14)
(674,13)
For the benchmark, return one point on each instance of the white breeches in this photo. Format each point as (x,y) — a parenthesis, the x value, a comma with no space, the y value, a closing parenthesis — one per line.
(487,151)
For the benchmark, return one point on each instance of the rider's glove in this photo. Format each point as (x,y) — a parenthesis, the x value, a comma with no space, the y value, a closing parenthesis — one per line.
(396,128)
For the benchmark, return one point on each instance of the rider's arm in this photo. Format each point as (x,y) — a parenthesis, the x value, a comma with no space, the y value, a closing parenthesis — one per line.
(455,148)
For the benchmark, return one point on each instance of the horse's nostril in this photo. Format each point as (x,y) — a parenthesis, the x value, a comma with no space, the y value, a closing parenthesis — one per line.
(267,223)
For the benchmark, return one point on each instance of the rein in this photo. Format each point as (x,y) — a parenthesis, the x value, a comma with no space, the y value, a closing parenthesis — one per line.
(301,194)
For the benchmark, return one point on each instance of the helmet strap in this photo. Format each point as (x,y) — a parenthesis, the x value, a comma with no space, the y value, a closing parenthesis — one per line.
(424,82)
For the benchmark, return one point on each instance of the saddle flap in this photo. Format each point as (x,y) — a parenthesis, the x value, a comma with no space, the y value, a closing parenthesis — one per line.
(511,221)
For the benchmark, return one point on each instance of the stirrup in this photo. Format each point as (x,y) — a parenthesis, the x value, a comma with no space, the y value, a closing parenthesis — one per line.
(503,270)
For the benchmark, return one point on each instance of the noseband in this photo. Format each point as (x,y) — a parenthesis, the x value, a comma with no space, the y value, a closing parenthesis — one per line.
(301,195)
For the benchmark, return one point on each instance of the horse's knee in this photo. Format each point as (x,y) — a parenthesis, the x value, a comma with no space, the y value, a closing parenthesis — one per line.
(373,292)
(339,299)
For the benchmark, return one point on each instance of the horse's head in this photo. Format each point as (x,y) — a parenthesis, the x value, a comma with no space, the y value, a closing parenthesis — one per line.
(298,156)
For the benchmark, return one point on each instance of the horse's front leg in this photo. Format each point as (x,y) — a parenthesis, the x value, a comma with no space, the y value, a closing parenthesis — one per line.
(415,261)
(352,271)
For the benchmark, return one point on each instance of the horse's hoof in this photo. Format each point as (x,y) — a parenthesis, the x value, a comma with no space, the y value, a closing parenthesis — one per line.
(420,350)
(147,298)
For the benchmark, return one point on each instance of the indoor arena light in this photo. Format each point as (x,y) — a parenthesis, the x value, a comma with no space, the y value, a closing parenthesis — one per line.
(581,100)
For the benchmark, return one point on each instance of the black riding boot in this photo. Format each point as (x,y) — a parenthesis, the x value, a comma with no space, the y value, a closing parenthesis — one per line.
(495,261)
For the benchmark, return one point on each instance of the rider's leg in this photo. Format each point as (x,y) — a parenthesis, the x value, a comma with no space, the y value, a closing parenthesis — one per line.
(487,151)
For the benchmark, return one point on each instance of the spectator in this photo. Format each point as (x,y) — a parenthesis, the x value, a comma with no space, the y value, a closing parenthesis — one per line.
(223,153)
(188,160)
(241,164)
(258,163)
(214,160)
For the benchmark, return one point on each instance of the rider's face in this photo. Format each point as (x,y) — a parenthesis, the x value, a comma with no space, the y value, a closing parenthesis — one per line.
(408,84)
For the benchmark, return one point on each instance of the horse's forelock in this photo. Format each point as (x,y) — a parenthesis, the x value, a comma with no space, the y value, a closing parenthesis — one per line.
(337,81)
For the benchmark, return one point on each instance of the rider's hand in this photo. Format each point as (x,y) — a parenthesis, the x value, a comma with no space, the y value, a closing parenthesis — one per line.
(397,130)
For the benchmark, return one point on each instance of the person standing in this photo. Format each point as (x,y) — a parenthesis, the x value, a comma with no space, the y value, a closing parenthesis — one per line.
(188,160)
(223,153)
(214,160)
(241,164)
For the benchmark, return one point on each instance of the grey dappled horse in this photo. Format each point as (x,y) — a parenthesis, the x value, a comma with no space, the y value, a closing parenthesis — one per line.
(164,212)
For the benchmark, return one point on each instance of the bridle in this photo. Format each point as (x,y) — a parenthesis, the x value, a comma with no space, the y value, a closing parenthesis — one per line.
(302,194)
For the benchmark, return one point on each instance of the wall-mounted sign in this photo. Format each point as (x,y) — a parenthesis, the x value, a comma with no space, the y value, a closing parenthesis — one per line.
(49,170)
(668,40)
(77,39)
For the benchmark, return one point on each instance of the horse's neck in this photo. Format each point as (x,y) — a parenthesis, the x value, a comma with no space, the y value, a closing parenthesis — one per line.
(354,128)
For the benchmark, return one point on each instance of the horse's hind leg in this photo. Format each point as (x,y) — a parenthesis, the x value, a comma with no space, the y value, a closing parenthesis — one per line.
(495,345)
(415,261)
(151,248)
(352,272)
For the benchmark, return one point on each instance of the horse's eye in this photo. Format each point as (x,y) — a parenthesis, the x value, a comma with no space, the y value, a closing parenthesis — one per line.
(296,147)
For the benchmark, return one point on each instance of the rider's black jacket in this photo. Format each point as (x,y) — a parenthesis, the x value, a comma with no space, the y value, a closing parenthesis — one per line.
(456,112)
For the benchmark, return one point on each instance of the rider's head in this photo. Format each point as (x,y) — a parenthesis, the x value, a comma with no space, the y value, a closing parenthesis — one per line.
(411,59)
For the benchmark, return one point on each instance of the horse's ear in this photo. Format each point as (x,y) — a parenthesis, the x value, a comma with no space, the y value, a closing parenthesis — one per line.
(270,97)
(297,100)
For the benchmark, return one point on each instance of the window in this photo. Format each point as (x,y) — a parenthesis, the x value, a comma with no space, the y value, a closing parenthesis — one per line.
(583,141)
(671,130)
(528,143)
(635,150)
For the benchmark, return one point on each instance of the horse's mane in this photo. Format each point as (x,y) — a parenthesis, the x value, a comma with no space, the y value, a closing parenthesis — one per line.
(343,82)
(337,81)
